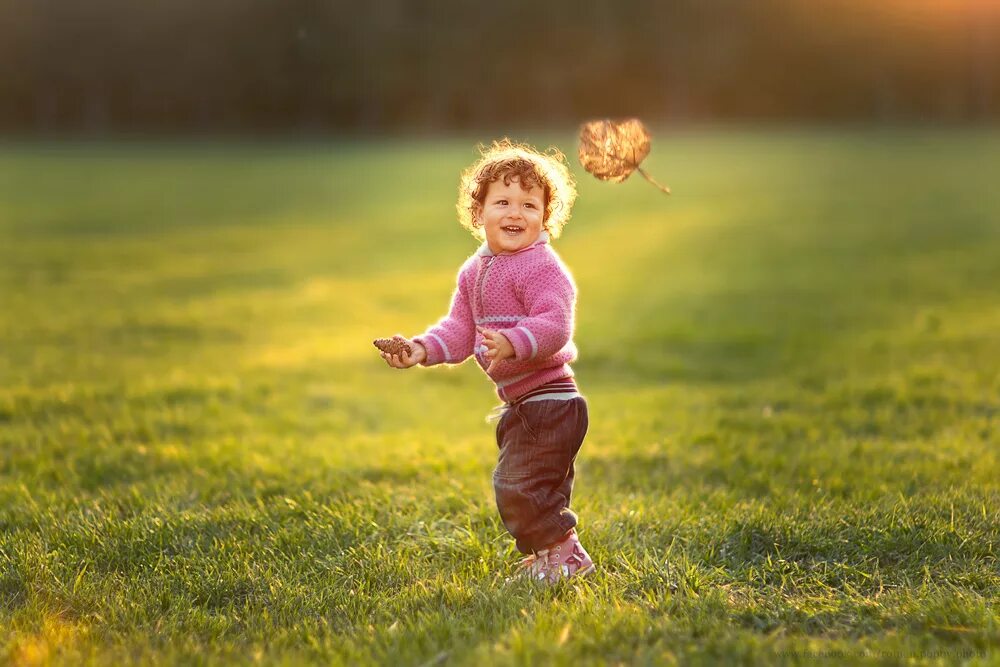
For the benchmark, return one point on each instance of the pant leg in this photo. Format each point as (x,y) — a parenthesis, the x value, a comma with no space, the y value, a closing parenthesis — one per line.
(566,488)
(533,480)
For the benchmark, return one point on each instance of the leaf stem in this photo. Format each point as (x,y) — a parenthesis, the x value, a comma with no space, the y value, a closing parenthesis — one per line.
(649,178)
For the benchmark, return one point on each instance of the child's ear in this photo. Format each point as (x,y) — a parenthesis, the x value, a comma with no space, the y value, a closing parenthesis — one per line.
(477,214)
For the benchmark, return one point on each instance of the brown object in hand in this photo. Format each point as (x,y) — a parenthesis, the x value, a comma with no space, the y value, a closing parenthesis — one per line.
(395,345)
(612,150)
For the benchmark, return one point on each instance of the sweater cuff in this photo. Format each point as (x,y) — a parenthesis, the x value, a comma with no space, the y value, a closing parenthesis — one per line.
(433,346)
(523,341)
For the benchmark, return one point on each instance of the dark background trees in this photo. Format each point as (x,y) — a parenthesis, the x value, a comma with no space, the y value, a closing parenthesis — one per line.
(104,66)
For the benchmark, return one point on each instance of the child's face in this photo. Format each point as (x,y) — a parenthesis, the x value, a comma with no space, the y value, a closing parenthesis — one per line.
(511,216)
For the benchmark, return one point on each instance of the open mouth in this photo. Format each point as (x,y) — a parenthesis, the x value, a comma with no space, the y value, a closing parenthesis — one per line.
(513,230)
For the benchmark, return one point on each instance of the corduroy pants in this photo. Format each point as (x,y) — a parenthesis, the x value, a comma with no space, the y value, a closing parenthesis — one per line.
(533,480)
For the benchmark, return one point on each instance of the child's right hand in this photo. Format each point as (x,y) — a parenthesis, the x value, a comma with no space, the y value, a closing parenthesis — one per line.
(404,360)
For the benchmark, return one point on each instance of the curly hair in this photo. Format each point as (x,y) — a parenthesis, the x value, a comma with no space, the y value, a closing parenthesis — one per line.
(508,160)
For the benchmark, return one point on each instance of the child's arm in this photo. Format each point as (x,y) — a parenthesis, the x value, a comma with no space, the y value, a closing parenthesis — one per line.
(549,297)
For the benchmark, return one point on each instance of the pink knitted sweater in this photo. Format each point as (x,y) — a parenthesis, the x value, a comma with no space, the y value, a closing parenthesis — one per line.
(529,296)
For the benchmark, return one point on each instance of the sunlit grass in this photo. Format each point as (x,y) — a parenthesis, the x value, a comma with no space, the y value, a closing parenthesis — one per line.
(792,367)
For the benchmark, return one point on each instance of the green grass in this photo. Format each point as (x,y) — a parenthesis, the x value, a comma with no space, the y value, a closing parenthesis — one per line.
(793,368)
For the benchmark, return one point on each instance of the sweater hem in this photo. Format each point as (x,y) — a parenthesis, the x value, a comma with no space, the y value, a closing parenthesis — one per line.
(511,392)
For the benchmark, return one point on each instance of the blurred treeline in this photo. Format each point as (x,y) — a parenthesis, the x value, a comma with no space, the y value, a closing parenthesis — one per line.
(96,66)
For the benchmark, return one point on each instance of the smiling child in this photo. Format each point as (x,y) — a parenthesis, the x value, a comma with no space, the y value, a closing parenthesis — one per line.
(514,310)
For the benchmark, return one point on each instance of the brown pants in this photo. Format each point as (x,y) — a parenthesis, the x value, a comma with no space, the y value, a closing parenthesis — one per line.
(533,480)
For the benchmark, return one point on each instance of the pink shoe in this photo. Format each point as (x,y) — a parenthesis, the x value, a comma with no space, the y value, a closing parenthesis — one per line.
(562,560)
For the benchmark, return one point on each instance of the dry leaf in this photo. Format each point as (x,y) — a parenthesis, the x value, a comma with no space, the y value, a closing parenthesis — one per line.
(612,150)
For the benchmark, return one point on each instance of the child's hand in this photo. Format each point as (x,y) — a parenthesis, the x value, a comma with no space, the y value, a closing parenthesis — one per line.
(404,360)
(498,347)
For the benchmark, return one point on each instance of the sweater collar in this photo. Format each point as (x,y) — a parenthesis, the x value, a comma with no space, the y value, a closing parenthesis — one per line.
(484,250)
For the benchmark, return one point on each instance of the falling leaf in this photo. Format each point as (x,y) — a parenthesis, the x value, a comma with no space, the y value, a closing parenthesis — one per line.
(612,150)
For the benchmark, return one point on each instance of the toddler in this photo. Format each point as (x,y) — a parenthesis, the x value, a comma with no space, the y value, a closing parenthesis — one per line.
(513,309)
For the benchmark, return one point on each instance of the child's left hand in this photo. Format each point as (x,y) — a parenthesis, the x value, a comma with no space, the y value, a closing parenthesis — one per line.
(498,347)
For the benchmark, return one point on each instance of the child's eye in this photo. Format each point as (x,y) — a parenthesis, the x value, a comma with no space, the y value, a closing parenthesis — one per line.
(530,205)
(502,202)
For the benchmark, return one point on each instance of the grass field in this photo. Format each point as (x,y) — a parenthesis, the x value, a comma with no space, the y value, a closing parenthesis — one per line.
(792,364)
